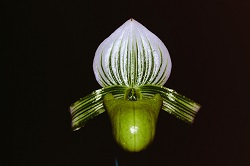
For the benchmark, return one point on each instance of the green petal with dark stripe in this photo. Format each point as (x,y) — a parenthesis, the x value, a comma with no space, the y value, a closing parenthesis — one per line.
(92,105)
(173,103)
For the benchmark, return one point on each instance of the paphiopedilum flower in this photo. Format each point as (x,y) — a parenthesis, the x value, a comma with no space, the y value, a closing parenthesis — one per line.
(132,65)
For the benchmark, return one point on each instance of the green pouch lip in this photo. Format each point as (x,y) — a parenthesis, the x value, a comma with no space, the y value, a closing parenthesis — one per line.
(133,122)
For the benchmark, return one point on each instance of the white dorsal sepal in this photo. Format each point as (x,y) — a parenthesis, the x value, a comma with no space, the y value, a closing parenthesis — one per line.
(132,56)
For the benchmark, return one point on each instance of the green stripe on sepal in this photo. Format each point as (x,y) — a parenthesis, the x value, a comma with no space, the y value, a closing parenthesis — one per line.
(92,105)
(132,56)
(173,103)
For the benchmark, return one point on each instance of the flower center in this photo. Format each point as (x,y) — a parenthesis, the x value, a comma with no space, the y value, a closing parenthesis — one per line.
(132,94)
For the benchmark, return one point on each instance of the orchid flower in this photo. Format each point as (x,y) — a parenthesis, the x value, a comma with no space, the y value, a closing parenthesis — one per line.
(132,65)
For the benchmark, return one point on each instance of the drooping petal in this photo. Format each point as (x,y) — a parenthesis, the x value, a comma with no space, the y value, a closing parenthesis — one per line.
(173,102)
(92,105)
(132,56)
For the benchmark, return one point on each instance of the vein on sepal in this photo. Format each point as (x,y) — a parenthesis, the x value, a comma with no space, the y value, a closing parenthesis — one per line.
(132,56)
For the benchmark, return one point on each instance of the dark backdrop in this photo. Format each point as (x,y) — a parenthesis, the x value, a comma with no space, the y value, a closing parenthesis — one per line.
(52,45)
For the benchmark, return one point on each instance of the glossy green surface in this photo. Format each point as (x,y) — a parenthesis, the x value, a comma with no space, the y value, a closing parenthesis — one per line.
(133,122)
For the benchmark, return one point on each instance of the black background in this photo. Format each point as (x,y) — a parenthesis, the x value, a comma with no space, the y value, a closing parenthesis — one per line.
(52,45)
